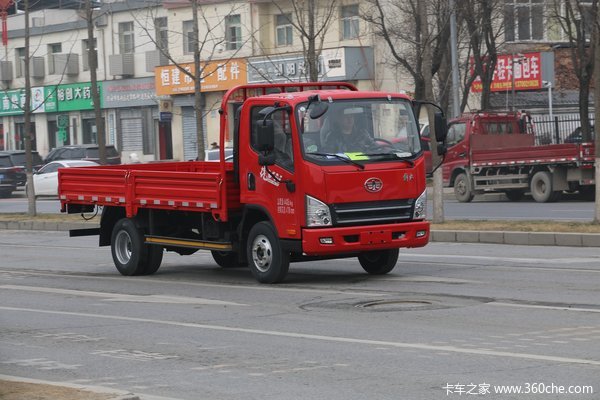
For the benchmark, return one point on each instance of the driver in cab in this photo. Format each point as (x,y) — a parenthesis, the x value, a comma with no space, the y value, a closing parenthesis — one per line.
(344,134)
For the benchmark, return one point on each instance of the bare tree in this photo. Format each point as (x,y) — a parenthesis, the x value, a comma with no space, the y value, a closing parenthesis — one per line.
(407,34)
(597,117)
(311,20)
(481,21)
(31,207)
(576,19)
(206,45)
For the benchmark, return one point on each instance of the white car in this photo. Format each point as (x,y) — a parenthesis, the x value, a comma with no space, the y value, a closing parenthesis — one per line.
(45,180)
(213,155)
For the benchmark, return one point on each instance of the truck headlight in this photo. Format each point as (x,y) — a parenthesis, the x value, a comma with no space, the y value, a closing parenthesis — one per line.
(317,213)
(420,211)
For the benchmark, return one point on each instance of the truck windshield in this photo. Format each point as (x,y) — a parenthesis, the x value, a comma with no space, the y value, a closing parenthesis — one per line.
(362,130)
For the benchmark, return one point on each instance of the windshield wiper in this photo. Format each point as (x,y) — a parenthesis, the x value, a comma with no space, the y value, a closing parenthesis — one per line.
(339,157)
(407,159)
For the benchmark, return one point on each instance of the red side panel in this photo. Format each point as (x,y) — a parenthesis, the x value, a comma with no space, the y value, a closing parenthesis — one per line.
(190,186)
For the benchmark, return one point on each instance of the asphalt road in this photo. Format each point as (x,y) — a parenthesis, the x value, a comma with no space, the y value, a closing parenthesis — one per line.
(483,207)
(449,318)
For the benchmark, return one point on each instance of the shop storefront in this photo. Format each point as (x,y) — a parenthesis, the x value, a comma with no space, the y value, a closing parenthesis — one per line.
(133,122)
(172,83)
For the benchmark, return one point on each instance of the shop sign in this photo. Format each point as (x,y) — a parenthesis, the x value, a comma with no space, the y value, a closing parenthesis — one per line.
(217,76)
(12,102)
(75,97)
(527,69)
(129,93)
(288,68)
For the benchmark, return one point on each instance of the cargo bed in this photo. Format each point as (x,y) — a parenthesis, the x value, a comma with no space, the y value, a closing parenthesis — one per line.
(196,186)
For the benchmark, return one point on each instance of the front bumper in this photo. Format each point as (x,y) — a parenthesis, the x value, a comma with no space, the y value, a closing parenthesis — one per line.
(364,238)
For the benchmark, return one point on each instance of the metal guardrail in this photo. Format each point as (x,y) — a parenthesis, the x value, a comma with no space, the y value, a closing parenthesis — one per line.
(559,129)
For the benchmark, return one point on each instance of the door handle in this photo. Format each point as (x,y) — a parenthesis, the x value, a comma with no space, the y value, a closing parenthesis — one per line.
(463,154)
(251,181)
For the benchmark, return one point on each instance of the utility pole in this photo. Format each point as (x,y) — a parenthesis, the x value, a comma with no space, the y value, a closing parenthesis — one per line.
(27,114)
(454,58)
(93,63)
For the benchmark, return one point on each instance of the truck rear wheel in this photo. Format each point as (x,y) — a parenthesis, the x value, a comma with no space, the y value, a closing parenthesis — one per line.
(379,262)
(226,259)
(130,255)
(462,188)
(268,262)
(541,187)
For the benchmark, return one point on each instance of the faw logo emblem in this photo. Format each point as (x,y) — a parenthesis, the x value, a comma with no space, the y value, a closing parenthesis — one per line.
(373,185)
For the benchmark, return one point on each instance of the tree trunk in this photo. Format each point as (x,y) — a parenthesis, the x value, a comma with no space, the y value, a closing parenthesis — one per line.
(198,95)
(597,118)
(438,201)
(584,110)
(93,64)
(31,206)
(312,56)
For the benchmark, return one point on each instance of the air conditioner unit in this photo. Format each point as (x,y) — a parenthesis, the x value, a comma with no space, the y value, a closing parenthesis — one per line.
(121,64)
(6,71)
(155,58)
(67,64)
(37,22)
(101,20)
(36,68)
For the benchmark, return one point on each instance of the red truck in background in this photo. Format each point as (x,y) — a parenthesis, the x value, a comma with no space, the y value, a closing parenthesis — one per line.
(284,197)
(496,152)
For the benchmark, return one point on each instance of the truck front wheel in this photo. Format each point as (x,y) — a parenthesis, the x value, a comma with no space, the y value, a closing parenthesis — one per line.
(130,255)
(268,262)
(462,188)
(379,262)
(541,187)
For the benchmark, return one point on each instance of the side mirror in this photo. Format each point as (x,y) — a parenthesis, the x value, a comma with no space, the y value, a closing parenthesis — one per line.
(441,127)
(266,135)
(318,110)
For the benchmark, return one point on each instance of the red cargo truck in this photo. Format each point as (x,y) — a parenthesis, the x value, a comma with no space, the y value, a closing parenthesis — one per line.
(496,152)
(285,196)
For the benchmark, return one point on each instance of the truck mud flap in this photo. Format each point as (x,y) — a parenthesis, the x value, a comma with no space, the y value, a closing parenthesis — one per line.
(84,232)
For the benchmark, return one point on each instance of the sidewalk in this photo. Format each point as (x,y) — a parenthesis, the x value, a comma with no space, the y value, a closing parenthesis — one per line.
(494,237)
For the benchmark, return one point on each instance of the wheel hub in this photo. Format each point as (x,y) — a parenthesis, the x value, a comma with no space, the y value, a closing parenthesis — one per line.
(123,247)
(262,253)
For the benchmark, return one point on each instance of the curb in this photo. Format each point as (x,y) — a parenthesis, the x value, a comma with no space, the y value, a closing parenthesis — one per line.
(490,237)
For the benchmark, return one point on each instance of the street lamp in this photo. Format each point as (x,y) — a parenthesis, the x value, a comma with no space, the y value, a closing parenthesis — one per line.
(548,85)
(516,58)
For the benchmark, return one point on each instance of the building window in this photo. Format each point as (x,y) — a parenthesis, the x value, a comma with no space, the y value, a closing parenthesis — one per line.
(126,37)
(349,20)
(161,34)
(189,41)
(284,29)
(523,20)
(233,32)
(19,62)
(54,48)
(86,54)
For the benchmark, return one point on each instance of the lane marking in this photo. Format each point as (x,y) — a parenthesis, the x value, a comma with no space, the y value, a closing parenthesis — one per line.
(593,310)
(334,339)
(506,259)
(124,297)
(160,281)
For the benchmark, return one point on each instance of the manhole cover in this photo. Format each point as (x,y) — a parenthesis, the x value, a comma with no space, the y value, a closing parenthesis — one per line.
(390,305)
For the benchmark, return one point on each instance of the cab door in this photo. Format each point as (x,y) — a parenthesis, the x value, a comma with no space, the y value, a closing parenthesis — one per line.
(270,188)
(457,155)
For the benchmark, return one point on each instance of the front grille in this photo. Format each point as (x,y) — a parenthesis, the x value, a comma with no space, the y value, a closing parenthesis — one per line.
(372,212)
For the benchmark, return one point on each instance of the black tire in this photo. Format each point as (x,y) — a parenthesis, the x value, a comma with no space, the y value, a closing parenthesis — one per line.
(226,259)
(587,193)
(379,262)
(515,194)
(130,255)
(541,187)
(462,188)
(267,260)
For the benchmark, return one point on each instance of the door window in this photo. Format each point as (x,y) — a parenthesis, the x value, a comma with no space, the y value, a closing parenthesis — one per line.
(456,133)
(284,155)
